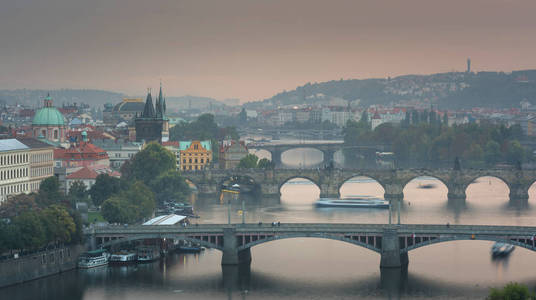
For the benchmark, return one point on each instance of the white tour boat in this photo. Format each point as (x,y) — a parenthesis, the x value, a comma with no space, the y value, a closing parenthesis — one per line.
(358,202)
(123,257)
(93,259)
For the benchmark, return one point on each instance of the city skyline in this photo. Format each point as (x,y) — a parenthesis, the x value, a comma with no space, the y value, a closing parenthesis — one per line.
(251,51)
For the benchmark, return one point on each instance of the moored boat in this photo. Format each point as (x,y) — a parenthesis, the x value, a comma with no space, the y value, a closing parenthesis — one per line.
(147,254)
(357,202)
(123,257)
(92,259)
(501,249)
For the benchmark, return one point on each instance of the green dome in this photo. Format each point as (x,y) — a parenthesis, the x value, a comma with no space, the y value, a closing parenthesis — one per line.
(48,116)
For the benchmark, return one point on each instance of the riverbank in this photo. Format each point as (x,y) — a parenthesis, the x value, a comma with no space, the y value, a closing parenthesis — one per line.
(39,265)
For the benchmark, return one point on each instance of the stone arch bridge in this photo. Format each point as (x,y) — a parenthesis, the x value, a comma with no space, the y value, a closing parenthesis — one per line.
(329,181)
(392,242)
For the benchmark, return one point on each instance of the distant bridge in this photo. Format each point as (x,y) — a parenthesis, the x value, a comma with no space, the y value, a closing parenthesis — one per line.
(392,242)
(329,181)
(328,149)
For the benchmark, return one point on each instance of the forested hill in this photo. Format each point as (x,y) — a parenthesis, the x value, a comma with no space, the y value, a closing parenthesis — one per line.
(446,90)
(35,97)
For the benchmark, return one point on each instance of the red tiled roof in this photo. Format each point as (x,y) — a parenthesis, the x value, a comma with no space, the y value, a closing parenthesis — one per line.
(83,173)
(82,151)
(171,143)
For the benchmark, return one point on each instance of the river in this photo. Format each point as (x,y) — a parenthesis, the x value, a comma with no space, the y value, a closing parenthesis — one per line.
(309,268)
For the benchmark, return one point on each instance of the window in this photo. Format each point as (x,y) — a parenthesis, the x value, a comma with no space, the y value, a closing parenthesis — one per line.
(196,167)
(196,160)
(202,160)
(184,160)
(195,147)
(55,134)
(190,160)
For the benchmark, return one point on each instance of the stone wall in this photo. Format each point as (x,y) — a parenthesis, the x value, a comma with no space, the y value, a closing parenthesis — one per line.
(39,265)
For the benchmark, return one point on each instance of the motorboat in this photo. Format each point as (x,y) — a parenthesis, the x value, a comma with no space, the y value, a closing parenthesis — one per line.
(147,254)
(92,259)
(123,257)
(357,202)
(501,249)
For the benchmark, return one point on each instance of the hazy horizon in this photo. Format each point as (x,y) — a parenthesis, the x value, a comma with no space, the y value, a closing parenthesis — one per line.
(253,49)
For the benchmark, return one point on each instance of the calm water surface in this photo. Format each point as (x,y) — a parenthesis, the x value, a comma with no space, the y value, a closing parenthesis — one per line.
(309,268)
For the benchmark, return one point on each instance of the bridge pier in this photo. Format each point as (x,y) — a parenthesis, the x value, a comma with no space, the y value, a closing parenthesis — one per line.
(456,191)
(518,192)
(328,156)
(328,190)
(390,255)
(231,254)
(270,189)
(276,158)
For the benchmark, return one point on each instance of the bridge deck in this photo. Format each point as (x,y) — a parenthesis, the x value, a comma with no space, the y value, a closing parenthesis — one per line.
(315,228)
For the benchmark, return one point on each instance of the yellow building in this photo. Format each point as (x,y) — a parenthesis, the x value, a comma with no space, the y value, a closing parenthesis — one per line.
(194,155)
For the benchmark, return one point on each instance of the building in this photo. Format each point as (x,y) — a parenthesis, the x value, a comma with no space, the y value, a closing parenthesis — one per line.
(118,151)
(152,125)
(49,123)
(376,120)
(14,168)
(82,154)
(88,176)
(41,161)
(231,154)
(124,111)
(195,155)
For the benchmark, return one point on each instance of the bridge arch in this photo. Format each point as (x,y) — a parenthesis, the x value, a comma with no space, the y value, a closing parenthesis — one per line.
(307,162)
(444,239)
(357,242)
(287,179)
(347,179)
(473,179)
(161,236)
(415,177)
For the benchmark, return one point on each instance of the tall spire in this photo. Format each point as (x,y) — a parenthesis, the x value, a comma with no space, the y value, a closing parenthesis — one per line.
(160,104)
(148,110)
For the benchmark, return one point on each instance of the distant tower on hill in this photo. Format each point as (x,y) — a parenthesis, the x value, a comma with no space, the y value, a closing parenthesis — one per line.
(468,65)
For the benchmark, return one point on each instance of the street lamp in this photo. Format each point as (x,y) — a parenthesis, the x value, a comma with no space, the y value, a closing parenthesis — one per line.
(235,189)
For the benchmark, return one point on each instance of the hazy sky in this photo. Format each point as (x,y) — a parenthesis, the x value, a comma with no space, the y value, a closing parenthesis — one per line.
(252,49)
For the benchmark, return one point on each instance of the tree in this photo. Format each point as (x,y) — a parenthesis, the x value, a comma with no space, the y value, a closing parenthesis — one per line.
(78,192)
(170,186)
(130,205)
(265,164)
(9,237)
(31,232)
(515,153)
(492,152)
(104,187)
(248,162)
(59,225)
(512,291)
(18,204)
(49,192)
(149,163)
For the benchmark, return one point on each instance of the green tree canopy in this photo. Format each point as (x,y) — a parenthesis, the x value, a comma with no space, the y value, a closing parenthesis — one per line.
(130,205)
(31,230)
(248,162)
(149,163)
(170,185)
(18,204)
(104,187)
(265,164)
(59,225)
(49,192)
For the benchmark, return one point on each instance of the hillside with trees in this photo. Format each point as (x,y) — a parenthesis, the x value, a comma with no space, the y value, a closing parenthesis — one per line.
(453,90)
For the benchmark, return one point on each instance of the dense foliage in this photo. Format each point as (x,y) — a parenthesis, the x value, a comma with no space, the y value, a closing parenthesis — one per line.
(512,291)
(204,128)
(30,222)
(251,161)
(105,186)
(130,205)
(150,177)
(477,145)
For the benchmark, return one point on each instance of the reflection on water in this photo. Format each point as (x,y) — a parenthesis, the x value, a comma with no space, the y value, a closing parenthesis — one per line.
(321,269)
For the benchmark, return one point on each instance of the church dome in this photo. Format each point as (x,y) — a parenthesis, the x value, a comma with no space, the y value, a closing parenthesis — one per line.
(48,115)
